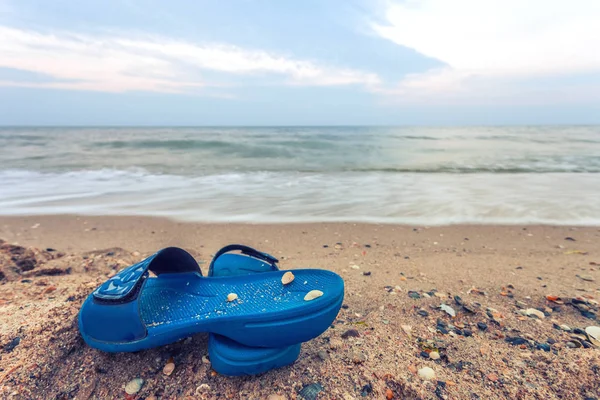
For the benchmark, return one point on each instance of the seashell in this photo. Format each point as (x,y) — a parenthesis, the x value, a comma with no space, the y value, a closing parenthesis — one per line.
(574,344)
(532,312)
(134,386)
(313,294)
(288,277)
(232,297)
(169,367)
(593,334)
(426,374)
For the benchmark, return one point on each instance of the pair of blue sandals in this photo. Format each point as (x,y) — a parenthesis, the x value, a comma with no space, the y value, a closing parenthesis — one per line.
(255,320)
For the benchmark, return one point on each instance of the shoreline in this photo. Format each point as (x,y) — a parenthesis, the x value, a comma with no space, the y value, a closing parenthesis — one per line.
(510,266)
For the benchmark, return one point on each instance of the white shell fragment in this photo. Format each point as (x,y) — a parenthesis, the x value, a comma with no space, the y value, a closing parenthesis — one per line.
(427,373)
(449,310)
(593,333)
(134,386)
(313,294)
(532,312)
(288,277)
(232,297)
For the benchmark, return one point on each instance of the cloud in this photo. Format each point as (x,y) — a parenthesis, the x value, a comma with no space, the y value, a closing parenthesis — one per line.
(116,63)
(492,46)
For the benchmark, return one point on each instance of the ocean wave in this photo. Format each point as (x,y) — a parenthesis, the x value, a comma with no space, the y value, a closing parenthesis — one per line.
(411,198)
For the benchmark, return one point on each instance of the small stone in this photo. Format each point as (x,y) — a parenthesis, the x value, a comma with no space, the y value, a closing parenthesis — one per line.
(275,397)
(434,355)
(350,333)
(492,377)
(367,273)
(134,386)
(389,395)
(358,357)
(467,332)
(169,367)
(354,267)
(570,239)
(135,254)
(288,277)
(414,295)
(543,346)
(322,355)
(424,354)
(313,294)
(426,374)
(12,344)
(423,313)
(232,297)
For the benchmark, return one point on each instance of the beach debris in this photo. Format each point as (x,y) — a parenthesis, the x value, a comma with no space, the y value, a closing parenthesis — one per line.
(310,392)
(354,267)
(414,295)
(434,355)
(350,333)
(593,335)
(313,294)
(476,291)
(449,310)
(570,239)
(554,299)
(134,386)
(586,278)
(169,367)
(583,253)
(407,329)
(232,297)
(426,374)
(12,344)
(389,395)
(288,277)
(367,273)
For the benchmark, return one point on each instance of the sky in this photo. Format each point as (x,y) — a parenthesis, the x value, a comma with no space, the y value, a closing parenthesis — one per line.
(309,62)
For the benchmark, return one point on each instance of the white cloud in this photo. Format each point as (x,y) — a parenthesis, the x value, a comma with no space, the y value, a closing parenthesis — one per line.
(154,63)
(491,45)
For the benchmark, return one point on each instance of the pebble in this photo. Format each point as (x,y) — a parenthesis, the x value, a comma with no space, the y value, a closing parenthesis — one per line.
(587,278)
(350,333)
(12,344)
(367,273)
(354,267)
(467,332)
(423,313)
(434,355)
(169,367)
(358,357)
(275,397)
(414,295)
(426,374)
(482,326)
(322,355)
(134,386)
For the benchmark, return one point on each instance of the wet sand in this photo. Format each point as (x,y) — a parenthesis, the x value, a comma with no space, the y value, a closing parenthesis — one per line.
(392,331)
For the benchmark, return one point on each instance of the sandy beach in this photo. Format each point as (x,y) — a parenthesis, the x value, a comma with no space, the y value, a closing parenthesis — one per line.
(390,325)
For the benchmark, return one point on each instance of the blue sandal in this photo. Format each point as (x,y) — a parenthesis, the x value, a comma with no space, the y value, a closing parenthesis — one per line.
(133,311)
(227,356)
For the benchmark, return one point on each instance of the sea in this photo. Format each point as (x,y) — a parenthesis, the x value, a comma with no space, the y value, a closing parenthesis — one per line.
(403,175)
